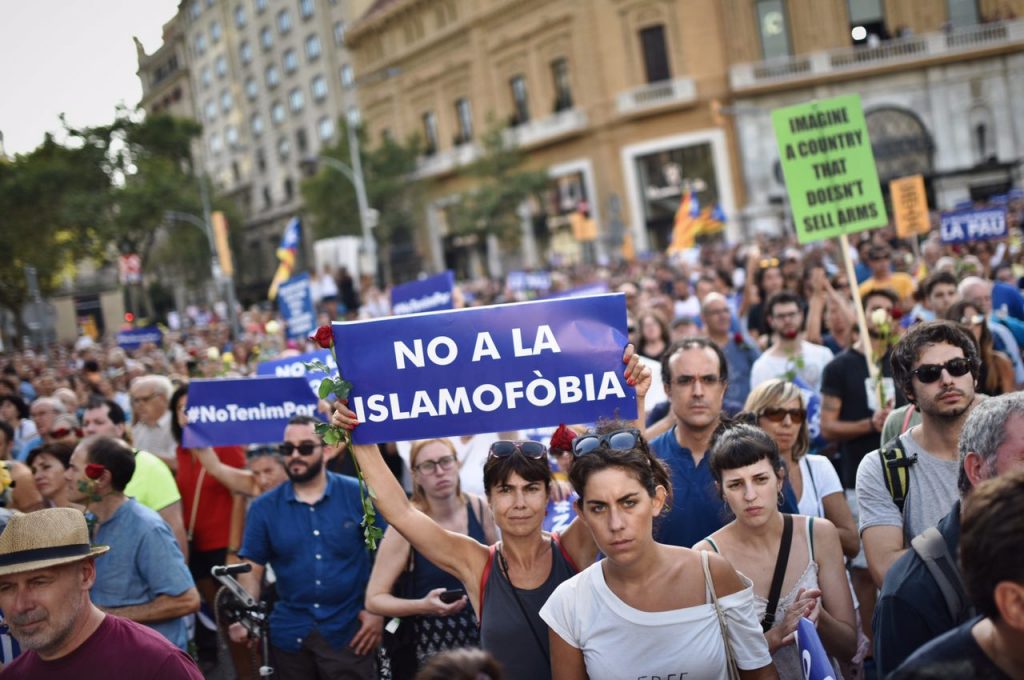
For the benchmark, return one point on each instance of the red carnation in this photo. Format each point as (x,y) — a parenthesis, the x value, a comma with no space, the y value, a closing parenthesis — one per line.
(561,440)
(94,470)
(323,337)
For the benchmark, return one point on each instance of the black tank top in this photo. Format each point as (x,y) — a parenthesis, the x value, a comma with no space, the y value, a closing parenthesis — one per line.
(503,630)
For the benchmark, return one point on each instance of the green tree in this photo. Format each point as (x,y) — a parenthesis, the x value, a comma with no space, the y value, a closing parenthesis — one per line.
(50,199)
(330,198)
(501,185)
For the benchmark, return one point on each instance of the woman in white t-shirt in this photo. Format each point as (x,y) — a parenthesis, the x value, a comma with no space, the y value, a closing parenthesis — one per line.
(646,609)
(795,561)
(777,407)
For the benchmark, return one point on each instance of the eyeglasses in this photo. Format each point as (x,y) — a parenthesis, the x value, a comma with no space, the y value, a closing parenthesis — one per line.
(503,448)
(709,380)
(618,440)
(929,373)
(427,467)
(769,262)
(973,320)
(785,316)
(62,432)
(304,449)
(778,415)
(142,399)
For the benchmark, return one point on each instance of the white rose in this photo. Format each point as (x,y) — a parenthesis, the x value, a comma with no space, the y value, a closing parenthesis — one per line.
(879,317)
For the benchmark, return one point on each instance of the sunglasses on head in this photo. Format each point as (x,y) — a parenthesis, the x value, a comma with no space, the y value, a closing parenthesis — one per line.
(304,449)
(617,440)
(777,415)
(503,448)
(769,262)
(929,373)
(973,320)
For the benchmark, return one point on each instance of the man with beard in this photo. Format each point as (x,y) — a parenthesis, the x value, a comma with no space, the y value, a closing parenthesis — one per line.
(695,374)
(936,366)
(790,357)
(308,530)
(46,570)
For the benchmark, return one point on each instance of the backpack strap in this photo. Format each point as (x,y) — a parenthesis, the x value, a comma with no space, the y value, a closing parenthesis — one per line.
(896,470)
(931,547)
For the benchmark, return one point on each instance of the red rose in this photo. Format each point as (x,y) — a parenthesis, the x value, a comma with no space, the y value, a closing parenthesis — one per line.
(738,339)
(324,337)
(561,440)
(94,470)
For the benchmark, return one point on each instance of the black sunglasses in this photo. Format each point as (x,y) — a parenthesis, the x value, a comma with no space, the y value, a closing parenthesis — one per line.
(777,415)
(304,449)
(503,448)
(617,440)
(929,373)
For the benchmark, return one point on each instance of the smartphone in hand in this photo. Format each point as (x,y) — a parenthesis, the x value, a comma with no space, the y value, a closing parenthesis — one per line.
(450,596)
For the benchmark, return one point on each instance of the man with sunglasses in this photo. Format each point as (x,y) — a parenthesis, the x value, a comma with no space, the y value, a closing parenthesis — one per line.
(936,366)
(308,530)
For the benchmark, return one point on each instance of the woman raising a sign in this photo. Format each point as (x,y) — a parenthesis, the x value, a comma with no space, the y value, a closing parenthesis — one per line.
(509,582)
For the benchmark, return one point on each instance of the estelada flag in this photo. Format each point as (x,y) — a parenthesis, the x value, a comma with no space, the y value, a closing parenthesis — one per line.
(286,253)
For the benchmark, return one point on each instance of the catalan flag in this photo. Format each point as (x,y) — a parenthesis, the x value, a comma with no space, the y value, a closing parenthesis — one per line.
(711,221)
(286,253)
(684,233)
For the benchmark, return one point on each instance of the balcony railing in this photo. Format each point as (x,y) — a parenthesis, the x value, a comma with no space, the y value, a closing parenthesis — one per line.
(897,52)
(654,95)
(444,162)
(546,129)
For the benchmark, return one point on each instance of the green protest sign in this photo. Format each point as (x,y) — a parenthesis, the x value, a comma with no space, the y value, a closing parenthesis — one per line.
(829,168)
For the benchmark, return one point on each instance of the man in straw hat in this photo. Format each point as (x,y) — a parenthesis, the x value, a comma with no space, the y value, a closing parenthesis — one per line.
(46,570)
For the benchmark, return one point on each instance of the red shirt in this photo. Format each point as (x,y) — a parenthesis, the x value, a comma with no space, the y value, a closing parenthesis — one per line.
(119,648)
(213,519)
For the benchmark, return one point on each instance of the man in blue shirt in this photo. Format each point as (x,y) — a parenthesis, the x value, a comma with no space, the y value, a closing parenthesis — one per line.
(740,350)
(144,577)
(695,374)
(308,530)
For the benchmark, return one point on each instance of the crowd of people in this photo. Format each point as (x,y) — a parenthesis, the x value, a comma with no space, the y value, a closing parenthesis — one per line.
(780,467)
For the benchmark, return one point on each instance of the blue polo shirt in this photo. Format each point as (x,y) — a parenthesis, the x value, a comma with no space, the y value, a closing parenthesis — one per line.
(318,555)
(144,561)
(696,511)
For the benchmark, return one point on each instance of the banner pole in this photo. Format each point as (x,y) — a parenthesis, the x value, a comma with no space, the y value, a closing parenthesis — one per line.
(862,322)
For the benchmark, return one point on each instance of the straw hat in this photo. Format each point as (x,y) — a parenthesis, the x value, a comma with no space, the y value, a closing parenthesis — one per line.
(45,538)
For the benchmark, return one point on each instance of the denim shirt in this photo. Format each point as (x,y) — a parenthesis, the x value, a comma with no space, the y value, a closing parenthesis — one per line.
(318,556)
(696,510)
(144,561)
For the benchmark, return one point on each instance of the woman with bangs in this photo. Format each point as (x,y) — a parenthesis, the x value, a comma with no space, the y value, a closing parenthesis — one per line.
(506,583)
(647,609)
(777,407)
(438,624)
(795,562)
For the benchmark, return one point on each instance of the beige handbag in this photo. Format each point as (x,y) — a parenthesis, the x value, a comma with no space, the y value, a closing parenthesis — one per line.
(730,659)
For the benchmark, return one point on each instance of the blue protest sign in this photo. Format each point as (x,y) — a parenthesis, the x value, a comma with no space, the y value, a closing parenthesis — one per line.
(559,514)
(813,659)
(486,369)
(295,299)
(592,289)
(964,226)
(239,411)
(133,338)
(296,367)
(426,295)
(528,281)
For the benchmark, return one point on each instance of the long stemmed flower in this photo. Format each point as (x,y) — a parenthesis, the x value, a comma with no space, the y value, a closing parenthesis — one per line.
(884,327)
(333,435)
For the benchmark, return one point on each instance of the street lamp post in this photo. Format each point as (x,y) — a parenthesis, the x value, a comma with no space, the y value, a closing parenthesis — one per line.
(367,215)
(218,275)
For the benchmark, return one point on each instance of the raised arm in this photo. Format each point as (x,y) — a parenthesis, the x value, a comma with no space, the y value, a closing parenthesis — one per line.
(458,554)
(238,480)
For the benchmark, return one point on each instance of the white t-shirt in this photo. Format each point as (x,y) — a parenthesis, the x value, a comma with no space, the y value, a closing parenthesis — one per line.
(811,358)
(820,480)
(620,642)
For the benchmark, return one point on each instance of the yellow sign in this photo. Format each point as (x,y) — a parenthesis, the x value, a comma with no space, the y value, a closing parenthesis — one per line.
(220,238)
(910,206)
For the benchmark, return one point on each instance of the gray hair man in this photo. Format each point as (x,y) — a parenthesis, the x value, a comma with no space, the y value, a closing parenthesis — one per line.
(151,398)
(912,609)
